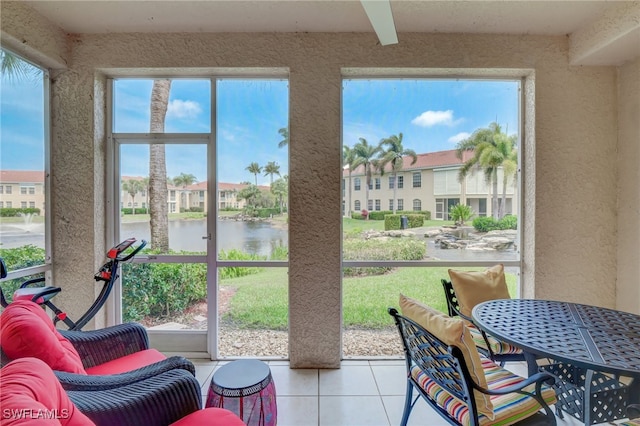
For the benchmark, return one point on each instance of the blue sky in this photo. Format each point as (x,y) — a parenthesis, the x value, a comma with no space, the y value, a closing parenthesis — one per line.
(433,115)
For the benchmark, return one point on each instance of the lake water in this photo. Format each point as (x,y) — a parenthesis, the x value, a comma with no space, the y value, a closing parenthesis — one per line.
(250,237)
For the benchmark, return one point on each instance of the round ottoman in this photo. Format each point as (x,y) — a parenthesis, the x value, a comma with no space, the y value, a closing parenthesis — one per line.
(246,388)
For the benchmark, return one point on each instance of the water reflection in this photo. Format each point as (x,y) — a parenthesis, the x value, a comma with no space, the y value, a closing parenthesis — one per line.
(250,237)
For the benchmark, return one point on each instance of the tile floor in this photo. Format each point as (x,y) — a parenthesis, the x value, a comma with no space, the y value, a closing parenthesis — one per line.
(360,393)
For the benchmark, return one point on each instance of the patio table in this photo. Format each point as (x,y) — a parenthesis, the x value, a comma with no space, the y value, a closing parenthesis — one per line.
(583,342)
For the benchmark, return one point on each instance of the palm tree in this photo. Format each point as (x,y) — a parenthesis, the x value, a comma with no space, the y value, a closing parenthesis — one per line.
(255,169)
(184,180)
(507,145)
(132,187)
(12,67)
(349,159)
(393,155)
(280,188)
(487,156)
(158,191)
(271,169)
(366,157)
(284,132)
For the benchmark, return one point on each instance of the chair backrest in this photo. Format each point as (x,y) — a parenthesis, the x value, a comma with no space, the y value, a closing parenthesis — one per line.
(452,301)
(443,364)
(3,269)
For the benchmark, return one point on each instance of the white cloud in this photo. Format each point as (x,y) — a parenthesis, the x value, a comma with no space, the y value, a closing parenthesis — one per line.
(460,136)
(433,118)
(183,109)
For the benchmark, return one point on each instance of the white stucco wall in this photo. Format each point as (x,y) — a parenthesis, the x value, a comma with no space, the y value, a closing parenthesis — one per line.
(628,165)
(571,155)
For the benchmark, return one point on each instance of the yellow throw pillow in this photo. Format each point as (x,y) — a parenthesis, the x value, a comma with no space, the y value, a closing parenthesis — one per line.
(473,287)
(455,333)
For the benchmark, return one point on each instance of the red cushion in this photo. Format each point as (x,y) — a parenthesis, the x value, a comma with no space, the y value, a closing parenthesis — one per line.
(27,331)
(127,363)
(210,417)
(31,395)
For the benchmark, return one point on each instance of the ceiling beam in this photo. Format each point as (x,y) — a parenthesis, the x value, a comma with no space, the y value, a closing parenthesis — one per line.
(381,18)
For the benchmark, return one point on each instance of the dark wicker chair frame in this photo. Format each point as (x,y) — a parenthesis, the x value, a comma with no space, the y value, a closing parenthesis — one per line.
(156,401)
(453,308)
(445,365)
(99,346)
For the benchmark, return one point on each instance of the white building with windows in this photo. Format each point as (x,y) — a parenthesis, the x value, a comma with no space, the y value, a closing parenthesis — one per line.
(430,184)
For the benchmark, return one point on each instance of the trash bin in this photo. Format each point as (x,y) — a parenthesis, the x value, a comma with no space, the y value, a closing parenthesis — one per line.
(404,222)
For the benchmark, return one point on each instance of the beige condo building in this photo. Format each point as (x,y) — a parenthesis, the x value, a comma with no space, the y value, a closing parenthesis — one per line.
(430,184)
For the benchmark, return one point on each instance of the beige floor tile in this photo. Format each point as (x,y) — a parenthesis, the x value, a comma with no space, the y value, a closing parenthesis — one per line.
(294,382)
(421,415)
(348,380)
(391,379)
(352,411)
(298,410)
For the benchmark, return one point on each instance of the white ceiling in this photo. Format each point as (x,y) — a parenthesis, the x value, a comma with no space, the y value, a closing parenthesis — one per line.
(557,17)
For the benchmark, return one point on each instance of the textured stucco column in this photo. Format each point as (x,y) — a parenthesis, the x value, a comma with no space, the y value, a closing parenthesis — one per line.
(77,189)
(628,284)
(315,303)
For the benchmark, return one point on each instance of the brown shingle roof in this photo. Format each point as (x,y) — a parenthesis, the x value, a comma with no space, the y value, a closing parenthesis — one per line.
(429,160)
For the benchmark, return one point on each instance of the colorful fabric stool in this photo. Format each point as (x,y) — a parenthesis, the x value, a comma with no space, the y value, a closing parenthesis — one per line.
(246,388)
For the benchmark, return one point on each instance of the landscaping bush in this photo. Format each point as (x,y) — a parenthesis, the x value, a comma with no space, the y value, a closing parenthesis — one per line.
(20,258)
(15,212)
(237,271)
(392,221)
(196,209)
(161,289)
(268,212)
(486,224)
(129,210)
(377,249)
(460,213)
(357,216)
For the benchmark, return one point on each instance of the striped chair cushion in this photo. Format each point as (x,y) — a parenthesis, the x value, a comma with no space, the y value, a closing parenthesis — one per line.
(508,409)
(497,347)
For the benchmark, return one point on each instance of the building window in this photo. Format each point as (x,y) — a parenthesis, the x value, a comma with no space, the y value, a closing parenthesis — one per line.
(417,205)
(9,204)
(32,190)
(8,190)
(32,204)
(392,181)
(1,204)
(377,183)
(400,182)
(1,189)
(356,205)
(23,204)
(400,204)
(23,190)
(370,185)
(391,204)
(356,184)
(370,205)
(377,205)
(417,180)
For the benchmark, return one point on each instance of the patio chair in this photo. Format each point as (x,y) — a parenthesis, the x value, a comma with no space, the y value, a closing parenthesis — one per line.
(85,360)
(30,389)
(463,387)
(468,288)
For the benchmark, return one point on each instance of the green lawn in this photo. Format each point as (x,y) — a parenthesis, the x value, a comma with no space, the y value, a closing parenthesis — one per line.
(261,300)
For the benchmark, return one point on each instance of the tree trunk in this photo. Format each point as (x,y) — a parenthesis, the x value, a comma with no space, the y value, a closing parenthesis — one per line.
(494,195)
(503,205)
(350,201)
(158,191)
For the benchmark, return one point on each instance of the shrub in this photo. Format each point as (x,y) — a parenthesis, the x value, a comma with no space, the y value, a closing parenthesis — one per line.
(357,216)
(20,258)
(509,222)
(392,221)
(15,212)
(460,213)
(268,212)
(196,209)
(137,210)
(378,249)
(237,271)
(486,224)
(160,289)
